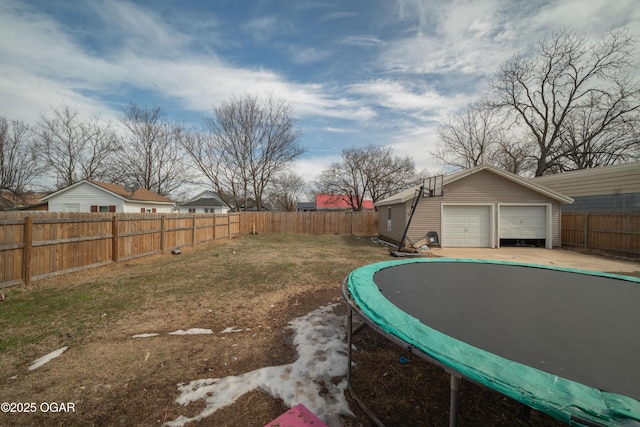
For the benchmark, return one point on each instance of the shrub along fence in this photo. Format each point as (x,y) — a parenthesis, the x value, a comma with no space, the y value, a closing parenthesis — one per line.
(608,231)
(38,245)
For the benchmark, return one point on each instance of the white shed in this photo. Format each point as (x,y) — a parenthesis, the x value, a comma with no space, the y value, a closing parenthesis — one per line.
(95,196)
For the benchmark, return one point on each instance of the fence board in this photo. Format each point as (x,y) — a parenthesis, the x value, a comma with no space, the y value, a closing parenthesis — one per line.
(60,243)
(608,231)
(319,222)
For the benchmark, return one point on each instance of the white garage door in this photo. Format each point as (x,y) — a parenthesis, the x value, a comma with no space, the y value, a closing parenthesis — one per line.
(523,222)
(466,226)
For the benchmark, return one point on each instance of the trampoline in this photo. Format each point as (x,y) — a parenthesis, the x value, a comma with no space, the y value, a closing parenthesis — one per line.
(565,342)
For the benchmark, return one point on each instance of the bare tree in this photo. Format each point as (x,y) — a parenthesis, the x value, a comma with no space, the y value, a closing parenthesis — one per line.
(572,98)
(473,136)
(75,148)
(285,190)
(370,171)
(249,140)
(19,159)
(605,131)
(152,155)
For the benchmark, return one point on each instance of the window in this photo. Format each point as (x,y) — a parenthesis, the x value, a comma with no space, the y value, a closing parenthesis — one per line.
(191,210)
(147,210)
(97,208)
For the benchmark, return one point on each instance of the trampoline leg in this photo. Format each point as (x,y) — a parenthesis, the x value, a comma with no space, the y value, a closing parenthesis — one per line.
(453,400)
(349,339)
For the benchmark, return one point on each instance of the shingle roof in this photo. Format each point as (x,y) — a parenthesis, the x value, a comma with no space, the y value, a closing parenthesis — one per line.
(140,195)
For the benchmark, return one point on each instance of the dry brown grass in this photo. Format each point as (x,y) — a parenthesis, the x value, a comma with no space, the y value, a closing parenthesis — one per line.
(259,282)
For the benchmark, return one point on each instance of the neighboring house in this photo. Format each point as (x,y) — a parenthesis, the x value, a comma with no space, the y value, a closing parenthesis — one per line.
(480,207)
(205,202)
(95,196)
(333,202)
(305,206)
(606,188)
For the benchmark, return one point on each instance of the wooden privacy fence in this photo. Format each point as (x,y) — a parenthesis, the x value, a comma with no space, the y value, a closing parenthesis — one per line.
(609,231)
(364,223)
(38,245)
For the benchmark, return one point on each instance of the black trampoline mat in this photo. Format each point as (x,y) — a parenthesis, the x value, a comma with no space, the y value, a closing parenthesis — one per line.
(580,327)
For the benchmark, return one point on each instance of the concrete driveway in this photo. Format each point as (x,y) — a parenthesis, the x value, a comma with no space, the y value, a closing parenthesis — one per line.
(554,257)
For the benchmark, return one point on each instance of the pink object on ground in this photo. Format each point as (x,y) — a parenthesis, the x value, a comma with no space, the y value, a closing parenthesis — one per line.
(297,416)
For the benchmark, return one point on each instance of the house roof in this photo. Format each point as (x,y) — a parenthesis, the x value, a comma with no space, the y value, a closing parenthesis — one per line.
(140,195)
(410,193)
(331,201)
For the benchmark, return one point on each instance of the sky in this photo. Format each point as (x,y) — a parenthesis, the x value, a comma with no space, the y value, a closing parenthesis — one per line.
(358,72)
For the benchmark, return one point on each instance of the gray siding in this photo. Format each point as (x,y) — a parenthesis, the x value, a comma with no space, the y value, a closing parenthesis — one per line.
(399,215)
(612,180)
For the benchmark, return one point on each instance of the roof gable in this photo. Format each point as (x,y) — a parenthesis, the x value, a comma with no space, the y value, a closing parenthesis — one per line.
(205,199)
(410,193)
(140,195)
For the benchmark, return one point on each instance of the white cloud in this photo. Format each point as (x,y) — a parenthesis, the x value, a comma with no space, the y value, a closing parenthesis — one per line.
(139,29)
(399,95)
(362,41)
(310,168)
(262,28)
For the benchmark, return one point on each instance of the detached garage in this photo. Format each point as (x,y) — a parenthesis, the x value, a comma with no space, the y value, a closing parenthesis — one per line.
(479,207)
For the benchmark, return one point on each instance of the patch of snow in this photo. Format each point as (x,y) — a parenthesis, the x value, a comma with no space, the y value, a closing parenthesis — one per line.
(144,335)
(192,331)
(231,329)
(47,358)
(316,379)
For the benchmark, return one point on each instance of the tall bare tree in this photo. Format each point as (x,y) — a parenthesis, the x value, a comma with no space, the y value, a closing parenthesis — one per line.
(572,98)
(370,171)
(151,154)
(249,140)
(479,134)
(20,164)
(75,148)
(286,189)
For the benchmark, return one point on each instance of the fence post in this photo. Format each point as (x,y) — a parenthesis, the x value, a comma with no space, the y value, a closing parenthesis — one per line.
(193,234)
(586,230)
(114,238)
(26,251)
(162,233)
(228,225)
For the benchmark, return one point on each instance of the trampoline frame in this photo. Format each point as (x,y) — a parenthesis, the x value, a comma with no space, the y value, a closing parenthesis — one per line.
(455,376)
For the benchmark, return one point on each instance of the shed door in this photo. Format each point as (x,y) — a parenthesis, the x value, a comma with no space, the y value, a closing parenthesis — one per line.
(466,226)
(523,222)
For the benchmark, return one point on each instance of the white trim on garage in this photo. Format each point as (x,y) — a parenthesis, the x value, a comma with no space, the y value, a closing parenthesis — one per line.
(467,225)
(529,215)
